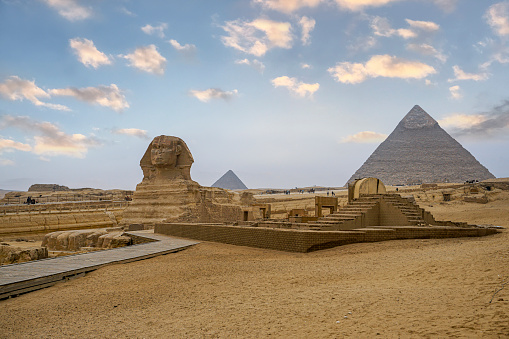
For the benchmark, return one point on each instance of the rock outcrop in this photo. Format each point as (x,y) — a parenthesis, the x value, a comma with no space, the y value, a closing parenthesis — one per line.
(420,151)
(167,192)
(47,188)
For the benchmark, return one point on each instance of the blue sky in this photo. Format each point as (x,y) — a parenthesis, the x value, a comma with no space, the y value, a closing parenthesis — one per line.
(284,92)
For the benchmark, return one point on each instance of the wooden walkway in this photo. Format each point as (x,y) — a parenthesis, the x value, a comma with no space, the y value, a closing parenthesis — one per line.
(21,278)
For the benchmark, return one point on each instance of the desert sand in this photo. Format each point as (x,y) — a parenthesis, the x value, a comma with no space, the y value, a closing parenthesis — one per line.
(409,288)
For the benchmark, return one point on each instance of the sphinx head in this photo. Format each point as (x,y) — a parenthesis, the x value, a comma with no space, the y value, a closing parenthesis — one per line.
(167,157)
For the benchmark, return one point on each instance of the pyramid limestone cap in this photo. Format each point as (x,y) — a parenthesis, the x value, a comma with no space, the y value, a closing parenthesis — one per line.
(417,118)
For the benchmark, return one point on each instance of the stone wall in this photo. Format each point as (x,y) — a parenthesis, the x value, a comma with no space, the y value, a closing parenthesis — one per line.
(293,240)
(55,221)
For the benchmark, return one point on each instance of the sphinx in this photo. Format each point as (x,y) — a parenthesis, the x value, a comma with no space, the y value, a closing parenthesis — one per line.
(168,194)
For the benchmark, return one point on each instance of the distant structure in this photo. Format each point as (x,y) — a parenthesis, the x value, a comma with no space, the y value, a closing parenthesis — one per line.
(420,151)
(230,181)
(47,188)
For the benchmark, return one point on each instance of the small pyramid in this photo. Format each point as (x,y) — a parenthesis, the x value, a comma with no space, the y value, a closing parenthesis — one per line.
(420,151)
(230,181)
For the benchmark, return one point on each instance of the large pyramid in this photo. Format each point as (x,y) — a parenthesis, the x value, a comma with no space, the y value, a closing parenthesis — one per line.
(420,151)
(230,181)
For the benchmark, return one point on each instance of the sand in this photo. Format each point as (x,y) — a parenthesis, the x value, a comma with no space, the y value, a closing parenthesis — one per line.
(410,288)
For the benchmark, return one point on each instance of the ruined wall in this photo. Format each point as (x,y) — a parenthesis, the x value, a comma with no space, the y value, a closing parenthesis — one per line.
(292,240)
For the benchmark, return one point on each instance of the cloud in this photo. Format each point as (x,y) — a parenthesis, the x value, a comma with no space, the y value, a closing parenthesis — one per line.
(380,66)
(107,96)
(88,54)
(258,36)
(364,137)
(6,162)
(127,12)
(256,64)
(462,121)
(147,59)
(70,9)
(462,75)
(213,93)
(307,25)
(446,5)
(497,17)
(482,124)
(359,5)
(426,49)
(296,87)
(7,145)
(305,66)
(15,88)
(188,49)
(135,132)
(49,140)
(382,27)
(159,30)
(288,6)
(455,92)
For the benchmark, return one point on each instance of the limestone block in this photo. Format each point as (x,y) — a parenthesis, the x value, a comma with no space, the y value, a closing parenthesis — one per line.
(11,254)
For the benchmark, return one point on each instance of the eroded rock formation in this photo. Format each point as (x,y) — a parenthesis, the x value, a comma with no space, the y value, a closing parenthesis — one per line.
(167,192)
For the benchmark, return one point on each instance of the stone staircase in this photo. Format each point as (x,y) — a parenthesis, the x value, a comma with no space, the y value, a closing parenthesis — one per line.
(347,215)
(365,212)
(413,213)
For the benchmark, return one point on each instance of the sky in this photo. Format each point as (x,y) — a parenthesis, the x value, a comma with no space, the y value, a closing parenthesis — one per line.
(285,93)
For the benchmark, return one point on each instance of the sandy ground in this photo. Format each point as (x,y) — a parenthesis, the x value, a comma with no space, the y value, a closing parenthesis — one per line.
(412,288)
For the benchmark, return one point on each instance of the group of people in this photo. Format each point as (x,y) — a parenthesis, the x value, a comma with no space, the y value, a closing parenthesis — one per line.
(30,201)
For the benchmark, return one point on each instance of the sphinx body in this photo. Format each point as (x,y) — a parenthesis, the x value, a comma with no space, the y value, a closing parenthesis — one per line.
(167,192)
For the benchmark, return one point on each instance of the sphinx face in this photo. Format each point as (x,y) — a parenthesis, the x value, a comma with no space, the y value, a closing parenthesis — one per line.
(164,155)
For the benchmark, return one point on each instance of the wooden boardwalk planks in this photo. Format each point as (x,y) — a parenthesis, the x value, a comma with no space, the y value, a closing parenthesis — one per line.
(20,278)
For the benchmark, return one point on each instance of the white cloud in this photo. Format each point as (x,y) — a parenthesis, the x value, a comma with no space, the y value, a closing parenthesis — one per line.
(462,121)
(6,162)
(446,5)
(187,49)
(258,36)
(159,30)
(295,86)
(380,66)
(213,93)
(135,132)
(88,54)
(455,92)
(462,75)
(256,64)
(127,12)
(147,59)
(307,25)
(7,144)
(15,88)
(382,27)
(358,5)
(107,96)
(305,66)
(426,49)
(428,26)
(364,137)
(497,17)
(70,9)
(288,6)
(49,140)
